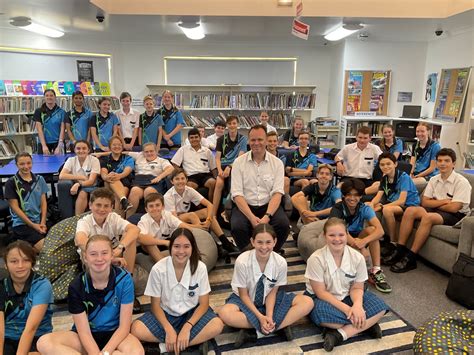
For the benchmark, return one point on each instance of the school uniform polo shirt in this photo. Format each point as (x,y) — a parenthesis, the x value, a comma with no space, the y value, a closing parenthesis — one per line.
(144,167)
(456,187)
(113,227)
(230,149)
(117,166)
(423,157)
(181,204)
(212,141)
(401,182)
(128,122)
(257,182)
(50,121)
(17,307)
(101,306)
(28,194)
(104,127)
(247,273)
(290,138)
(91,165)
(296,160)
(355,222)
(193,161)
(79,122)
(177,297)
(321,267)
(171,119)
(396,147)
(270,128)
(150,126)
(359,163)
(162,229)
(318,201)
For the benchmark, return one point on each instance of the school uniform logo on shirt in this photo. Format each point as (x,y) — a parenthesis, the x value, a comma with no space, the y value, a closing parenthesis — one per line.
(191,288)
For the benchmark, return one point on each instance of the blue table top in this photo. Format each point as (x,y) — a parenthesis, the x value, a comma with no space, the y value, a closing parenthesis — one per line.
(468,171)
(42,164)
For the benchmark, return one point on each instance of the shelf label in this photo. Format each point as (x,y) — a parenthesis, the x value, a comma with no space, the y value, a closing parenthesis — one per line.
(365,114)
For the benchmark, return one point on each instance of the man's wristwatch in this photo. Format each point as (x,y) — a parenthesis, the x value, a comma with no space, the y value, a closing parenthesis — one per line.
(269,215)
(121,247)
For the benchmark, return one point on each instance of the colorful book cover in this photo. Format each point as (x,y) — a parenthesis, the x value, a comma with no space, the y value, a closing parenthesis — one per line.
(24,87)
(49,85)
(77,85)
(96,88)
(104,88)
(3,91)
(30,87)
(461,82)
(454,107)
(445,81)
(40,86)
(9,87)
(83,87)
(355,83)
(379,80)
(68,88)
(56,88)
(90,91)
(353,104)
(17,88)
(376,104)
(61,87)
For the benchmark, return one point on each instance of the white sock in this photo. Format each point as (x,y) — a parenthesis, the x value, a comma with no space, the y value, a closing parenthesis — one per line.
(375,269)
(343,333)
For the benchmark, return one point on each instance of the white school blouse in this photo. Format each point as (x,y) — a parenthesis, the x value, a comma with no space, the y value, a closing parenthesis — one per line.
(321,267)
(162,229)
(247,273)
(91,165)
(181,204)
(177,298)
(145,167)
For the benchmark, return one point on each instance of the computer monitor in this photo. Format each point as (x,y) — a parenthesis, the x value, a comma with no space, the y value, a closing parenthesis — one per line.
(411,111)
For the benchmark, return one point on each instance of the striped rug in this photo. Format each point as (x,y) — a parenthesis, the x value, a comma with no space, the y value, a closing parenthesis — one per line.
(397,333)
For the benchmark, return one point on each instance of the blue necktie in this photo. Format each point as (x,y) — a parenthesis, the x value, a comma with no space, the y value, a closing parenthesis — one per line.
(258,300)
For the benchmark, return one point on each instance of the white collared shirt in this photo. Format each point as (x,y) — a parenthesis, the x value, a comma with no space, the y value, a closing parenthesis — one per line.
(128,122)
(177,298)
(257,182)
(145,167)
(162,230)
(204,142)
(247,273)
(181,204)
(113,227)
(194,162)
(212,140)
(321,267)
(91,165)
(456,187)
(270,128)
(359,163)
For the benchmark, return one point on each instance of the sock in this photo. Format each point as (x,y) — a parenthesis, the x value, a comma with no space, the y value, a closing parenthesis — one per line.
(222,236)
(375,269)
(121,198)
(343,333)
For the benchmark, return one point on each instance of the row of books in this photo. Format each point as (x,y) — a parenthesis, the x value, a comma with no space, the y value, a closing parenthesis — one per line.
(30,104)
(252,101)
(37,87)
(376,128)
(8,148)
(276,119)
(12,125)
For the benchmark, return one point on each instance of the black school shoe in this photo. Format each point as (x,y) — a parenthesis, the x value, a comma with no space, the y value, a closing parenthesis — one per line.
(245,336)
(395,256)
(332,338)
(228,245)
(387,248)
(375,332)
(221,252)
(407,263)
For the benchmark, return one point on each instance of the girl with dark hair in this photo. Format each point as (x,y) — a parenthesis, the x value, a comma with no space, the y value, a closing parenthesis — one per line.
(25,301)
(49,120)
(104,125)
(256,302)
(77,120)
(390,143)
(83,170)
(179,288)
(100,301)
(290,138)
(423,160)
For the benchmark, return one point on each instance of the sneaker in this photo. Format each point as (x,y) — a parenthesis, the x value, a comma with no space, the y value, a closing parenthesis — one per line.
(378,280)
(374,331)
(407,263)
(394,257)
(125,205)
(332,338)
(228,245)
(245,336)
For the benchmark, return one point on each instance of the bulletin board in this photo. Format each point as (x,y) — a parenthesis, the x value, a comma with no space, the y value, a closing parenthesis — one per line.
(366,91)
(451,95)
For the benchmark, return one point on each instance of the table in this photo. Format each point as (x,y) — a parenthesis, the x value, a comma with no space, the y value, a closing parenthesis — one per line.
(468,171)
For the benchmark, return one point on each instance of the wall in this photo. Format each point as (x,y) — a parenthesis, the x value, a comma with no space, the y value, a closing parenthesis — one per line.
(337,80)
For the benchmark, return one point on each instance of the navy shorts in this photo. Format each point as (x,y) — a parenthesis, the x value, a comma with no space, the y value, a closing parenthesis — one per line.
(26,233)
(10,346)
(200,179)
(449,219)
(324,312)
(150,321)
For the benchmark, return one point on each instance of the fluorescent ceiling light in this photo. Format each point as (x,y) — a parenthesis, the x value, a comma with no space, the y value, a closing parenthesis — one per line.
(25,23)
(192,30)
(342,32)
(285,3)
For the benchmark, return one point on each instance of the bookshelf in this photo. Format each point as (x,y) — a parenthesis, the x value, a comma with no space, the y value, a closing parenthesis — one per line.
(206,104)
(327,131)
(17,130)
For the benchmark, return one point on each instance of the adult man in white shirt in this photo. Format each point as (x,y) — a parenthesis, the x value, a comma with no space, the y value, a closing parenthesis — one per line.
(128,121)
(257,190)
(357,160)
(445,201)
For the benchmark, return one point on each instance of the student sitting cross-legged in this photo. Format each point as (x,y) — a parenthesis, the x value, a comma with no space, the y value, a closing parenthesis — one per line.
(26,195)
(316,200)
(179,288)
(396,192)
(198,162)
(26,300)
(83,170)
(335,280)
(183,202)
(257,303)
(445,201)
(101,301)
(357,215)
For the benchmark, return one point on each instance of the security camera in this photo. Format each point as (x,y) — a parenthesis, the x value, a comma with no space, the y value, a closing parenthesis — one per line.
(438,32)
(100,17)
